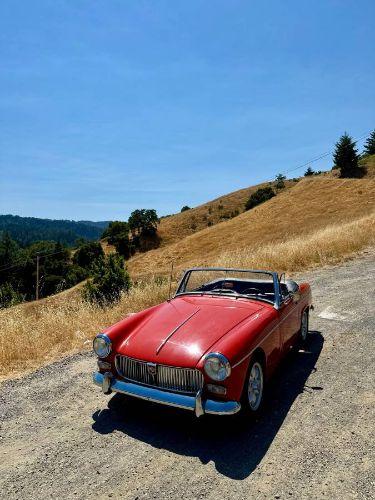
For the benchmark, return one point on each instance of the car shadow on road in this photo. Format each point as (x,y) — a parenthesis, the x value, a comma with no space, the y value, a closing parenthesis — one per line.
(236,445)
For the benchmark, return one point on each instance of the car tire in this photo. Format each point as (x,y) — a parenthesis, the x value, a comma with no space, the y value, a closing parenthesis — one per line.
(304,330)
(253,391)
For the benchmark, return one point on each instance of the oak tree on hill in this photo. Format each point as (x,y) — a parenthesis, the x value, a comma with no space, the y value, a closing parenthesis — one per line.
(279,181)
(143,221)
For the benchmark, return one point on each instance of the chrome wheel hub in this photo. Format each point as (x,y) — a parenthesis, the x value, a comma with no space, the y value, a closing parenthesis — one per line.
(255,386)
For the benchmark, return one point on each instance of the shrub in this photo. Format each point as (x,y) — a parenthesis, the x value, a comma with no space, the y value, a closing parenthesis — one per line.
(185,208)
(109,280)
(259,196)
(9,296)
(309,172)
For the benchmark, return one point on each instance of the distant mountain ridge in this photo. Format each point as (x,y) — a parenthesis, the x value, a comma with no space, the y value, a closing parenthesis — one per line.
(26,230)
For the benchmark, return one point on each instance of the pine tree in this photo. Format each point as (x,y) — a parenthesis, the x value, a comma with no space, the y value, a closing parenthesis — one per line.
(345,156)
(369,148)
(309,172)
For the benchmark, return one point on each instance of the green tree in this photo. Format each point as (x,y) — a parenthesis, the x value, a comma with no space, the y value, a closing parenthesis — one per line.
(345,156)
(309,172)
(87,254)
(185,208)
(369,148)
(259,196)
(109,280)
(115,229)
(124,246)
(279,181)
(143,221)
(9,250)
(9,296)
(143,226)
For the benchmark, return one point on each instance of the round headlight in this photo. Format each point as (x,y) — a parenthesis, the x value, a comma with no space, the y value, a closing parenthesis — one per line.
(102,345)
(217,366)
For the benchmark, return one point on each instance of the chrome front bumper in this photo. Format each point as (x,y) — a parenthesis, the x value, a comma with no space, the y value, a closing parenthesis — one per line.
(193,403)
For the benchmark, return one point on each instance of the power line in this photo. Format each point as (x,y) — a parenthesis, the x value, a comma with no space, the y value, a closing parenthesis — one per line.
(21,263)
(323,155)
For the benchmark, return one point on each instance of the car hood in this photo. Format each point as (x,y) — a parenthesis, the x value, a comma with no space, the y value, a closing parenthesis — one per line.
(181,331)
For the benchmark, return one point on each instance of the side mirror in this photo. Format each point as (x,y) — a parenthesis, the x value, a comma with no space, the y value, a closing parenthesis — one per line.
(293,289)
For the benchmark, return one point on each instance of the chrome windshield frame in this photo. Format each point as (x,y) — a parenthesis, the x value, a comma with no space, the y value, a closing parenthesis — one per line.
(275,279)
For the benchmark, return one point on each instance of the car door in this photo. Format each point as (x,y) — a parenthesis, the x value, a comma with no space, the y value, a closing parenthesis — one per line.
(289,321)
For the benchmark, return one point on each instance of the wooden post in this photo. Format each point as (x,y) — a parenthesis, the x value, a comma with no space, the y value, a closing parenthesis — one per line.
(37,279)
(170,282)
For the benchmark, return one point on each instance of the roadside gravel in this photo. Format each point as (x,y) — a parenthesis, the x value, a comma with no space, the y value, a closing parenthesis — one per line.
(61,438)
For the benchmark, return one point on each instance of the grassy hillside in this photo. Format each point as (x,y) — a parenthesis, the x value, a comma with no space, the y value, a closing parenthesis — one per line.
(312,204)
(171,229)
(175,227)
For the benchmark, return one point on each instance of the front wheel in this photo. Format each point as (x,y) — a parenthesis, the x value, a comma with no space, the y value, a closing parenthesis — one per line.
(253,393)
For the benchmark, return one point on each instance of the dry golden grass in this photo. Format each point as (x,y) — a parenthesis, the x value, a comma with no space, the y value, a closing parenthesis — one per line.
(34,333)
(330,245)
(176,227)
(311,205)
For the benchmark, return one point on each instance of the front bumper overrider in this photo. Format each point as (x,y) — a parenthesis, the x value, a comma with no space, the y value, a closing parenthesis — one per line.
(195,403)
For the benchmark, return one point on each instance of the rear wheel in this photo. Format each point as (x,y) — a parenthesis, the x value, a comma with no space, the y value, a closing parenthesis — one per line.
(304,331)
(252,397)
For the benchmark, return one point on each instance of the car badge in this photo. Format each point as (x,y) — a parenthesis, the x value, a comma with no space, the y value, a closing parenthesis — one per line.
(152,369)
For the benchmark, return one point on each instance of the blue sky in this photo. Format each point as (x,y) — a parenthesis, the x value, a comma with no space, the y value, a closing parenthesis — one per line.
(108,106)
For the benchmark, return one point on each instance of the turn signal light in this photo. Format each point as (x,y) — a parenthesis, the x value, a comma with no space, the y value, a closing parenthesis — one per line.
(217,389)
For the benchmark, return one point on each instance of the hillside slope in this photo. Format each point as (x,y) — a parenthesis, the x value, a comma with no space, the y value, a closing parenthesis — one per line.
(175,227)
(309,206)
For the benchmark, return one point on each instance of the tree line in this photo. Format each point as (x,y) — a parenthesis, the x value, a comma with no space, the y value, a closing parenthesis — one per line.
(27,230)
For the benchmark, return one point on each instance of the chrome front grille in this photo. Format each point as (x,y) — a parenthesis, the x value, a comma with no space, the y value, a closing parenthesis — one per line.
(185,380)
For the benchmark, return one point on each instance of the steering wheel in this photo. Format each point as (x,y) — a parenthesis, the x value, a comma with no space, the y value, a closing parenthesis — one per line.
(252,291)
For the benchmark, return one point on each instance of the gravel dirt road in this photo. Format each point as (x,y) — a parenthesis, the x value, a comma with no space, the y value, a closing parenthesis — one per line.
(61,438)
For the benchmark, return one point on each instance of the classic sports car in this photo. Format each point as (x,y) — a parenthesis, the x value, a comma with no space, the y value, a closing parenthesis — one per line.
(210,348)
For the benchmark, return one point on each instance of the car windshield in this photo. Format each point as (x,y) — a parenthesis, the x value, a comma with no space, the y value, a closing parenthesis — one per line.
(228,282)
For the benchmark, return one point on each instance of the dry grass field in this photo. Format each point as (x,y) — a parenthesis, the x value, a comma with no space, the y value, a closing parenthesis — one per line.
(175,227)
(312,204)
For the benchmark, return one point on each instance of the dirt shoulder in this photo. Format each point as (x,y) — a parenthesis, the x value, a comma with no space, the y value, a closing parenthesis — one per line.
(60,437)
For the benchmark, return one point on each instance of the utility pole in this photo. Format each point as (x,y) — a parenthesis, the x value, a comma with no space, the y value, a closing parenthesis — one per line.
(37,279)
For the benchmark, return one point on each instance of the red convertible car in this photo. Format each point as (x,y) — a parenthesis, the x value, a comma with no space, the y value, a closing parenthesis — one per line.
(210,348)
